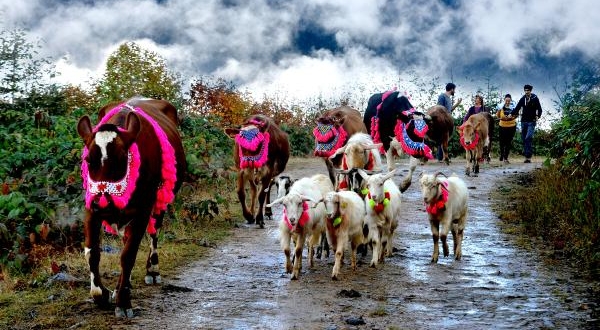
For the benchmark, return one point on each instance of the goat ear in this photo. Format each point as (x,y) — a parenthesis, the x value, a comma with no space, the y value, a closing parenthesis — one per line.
(232,132)
(337,152)
(275,202)
(363,174)
(308,199)
(84,129)
(389,174)
(373,146)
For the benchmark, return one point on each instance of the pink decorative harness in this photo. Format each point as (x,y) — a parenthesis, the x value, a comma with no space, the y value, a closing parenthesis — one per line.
(436,208)
(251,140)
(375,120)
(328,139)
(122,190)
(303,218)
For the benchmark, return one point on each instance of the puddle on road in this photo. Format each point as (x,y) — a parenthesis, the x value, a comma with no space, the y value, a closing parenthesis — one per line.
(242,284)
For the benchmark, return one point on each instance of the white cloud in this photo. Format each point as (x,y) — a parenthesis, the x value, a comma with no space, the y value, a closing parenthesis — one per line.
(252,43)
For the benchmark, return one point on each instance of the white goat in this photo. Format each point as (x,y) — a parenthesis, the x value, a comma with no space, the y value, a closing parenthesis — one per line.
(446,204)
(359,152)
(382,205)
(304,216)
(345,216)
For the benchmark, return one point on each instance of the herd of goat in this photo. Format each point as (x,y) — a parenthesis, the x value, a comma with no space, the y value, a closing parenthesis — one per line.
(358,204)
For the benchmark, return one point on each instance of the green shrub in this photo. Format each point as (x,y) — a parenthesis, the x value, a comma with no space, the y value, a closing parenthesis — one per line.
(302,141)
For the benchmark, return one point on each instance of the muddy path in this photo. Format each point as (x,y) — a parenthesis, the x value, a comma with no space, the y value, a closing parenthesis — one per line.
(497,284)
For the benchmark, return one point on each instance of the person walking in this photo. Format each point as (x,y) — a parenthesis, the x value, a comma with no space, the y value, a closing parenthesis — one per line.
(508,126)
(531,110)
(445,100)
(476,108)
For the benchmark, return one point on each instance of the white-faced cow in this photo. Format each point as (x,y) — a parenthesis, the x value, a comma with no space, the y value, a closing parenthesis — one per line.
(334,128)
(133,164)
(261,152)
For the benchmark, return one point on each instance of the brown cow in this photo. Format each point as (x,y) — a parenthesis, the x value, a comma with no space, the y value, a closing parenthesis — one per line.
(261,152)
(474,138)
(441,126)
(133,164)
(334,128)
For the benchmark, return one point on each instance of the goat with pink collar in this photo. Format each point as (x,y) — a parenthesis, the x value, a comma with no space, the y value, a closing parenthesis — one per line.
(382,202)
(345,219)
(446,204)
(303,217)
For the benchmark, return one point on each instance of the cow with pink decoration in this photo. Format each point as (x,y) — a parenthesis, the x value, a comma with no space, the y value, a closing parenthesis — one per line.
(303,218)
(260,153)
(133,164)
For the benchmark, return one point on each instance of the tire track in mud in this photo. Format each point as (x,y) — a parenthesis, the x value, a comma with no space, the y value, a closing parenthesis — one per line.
(241,284)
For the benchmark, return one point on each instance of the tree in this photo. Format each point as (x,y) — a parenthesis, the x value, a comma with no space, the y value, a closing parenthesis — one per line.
(132,70)
(21,68)
(219,100)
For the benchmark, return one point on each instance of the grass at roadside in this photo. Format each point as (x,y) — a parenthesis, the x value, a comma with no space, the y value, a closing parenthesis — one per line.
(548,206)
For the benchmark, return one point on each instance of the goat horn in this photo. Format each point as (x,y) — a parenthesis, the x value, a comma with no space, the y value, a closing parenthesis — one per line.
(439,173)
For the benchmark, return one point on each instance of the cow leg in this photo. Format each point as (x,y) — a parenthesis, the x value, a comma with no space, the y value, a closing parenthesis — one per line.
(92,228)
(241,192)
(152,270)
(268,210)
(132,240)
(262,194)
(468,167)
(408,179)
(330,170)
(445,149)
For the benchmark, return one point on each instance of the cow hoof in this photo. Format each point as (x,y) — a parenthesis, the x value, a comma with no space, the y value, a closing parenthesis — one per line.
(334,277)
(152,279)
(123,313)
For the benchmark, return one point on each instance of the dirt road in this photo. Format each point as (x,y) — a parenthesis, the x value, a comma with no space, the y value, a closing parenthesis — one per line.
(496,285)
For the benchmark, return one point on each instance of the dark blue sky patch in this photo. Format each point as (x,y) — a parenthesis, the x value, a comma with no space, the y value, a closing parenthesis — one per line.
(310,37)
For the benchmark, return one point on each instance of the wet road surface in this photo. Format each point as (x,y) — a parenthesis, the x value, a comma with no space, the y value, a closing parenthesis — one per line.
(242,284)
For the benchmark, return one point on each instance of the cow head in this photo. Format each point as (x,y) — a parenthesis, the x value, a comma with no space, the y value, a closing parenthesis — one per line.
(469,132)
(108,147)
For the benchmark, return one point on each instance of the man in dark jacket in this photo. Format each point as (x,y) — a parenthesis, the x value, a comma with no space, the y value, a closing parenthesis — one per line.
(531,111)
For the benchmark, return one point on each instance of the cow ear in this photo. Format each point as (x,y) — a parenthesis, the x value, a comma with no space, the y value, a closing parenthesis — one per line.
(84,129)
(132,124)
(232,132)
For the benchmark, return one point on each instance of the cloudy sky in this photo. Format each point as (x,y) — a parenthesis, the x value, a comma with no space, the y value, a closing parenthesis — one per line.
(296,50)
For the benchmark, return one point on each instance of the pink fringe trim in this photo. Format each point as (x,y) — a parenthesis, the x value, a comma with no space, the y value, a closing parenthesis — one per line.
(165,193)
(250,145)
(256,163)
(324,137)
(424,152)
